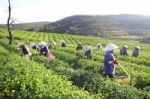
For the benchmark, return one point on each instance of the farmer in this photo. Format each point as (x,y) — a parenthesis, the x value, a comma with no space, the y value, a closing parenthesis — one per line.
(87,51)
(44,50)
(79,46)
(109,60)
(25,50)
(33,46)
(136,52)
(99,46)
(63,43)
(52,45)
(123,50)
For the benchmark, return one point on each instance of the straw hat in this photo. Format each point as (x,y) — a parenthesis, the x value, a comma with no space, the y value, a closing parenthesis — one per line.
(125,46)
(31,45)
(54,43)
(86,48)
(80,43)
(138,47)
(110,47)
(42,43)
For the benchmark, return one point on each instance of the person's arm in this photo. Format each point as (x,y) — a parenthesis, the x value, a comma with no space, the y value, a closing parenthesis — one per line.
(46,49)
(114,61)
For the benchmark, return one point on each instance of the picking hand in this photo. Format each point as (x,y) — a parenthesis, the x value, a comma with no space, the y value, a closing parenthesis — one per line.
(115,62)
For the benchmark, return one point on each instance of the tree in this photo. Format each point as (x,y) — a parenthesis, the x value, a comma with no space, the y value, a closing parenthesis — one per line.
(9,23)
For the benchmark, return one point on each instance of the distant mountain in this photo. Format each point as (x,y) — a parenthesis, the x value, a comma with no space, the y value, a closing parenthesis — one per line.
(32,26)
(108,25)
(98,25)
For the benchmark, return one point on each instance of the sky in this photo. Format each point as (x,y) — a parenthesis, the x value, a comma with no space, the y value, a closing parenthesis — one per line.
(53,10)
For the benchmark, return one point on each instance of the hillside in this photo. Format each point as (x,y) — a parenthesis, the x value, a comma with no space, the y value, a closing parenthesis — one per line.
(101,25)
(32,26)
(69,75)
(104,26)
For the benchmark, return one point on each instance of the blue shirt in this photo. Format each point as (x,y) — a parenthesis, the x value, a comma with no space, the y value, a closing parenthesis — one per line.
(123,51)
(88,53)
(44,49)
(109,68)
(135,52)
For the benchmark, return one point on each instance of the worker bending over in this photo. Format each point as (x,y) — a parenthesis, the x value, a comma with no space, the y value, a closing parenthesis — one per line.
(44,50)
(123,50)
(25,50)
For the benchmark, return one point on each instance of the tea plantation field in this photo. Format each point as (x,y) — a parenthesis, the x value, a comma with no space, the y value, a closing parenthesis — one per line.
(69,76)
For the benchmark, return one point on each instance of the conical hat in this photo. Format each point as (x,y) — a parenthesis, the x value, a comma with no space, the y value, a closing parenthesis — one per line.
(138,47)
(31,45)
(110,47)
(54,43)
(42,43)
(125,46)
(80,43)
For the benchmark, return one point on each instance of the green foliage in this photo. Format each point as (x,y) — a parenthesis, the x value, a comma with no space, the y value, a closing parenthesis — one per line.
(21,78)
(69,75)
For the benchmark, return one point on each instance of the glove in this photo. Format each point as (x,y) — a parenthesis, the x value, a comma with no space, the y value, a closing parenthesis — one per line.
(115,62)
(110,62)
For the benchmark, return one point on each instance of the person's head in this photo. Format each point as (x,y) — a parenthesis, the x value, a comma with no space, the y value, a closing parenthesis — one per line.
(21,44)
(137,47)
(54,43)
(111,47)
(125,46)
(79,43)
(42,44)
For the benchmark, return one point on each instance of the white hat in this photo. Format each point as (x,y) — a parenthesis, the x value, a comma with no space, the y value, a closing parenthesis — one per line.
(79,43)
(54,43)
(31,45)
(110,47)
(42,43)
(86,48)
(138,47)
(125,46)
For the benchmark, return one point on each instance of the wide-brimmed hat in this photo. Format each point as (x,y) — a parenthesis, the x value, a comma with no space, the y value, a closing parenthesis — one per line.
(125,46)
(138,47)
(110,47)
(80,43)
(42,43)
(54,43)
